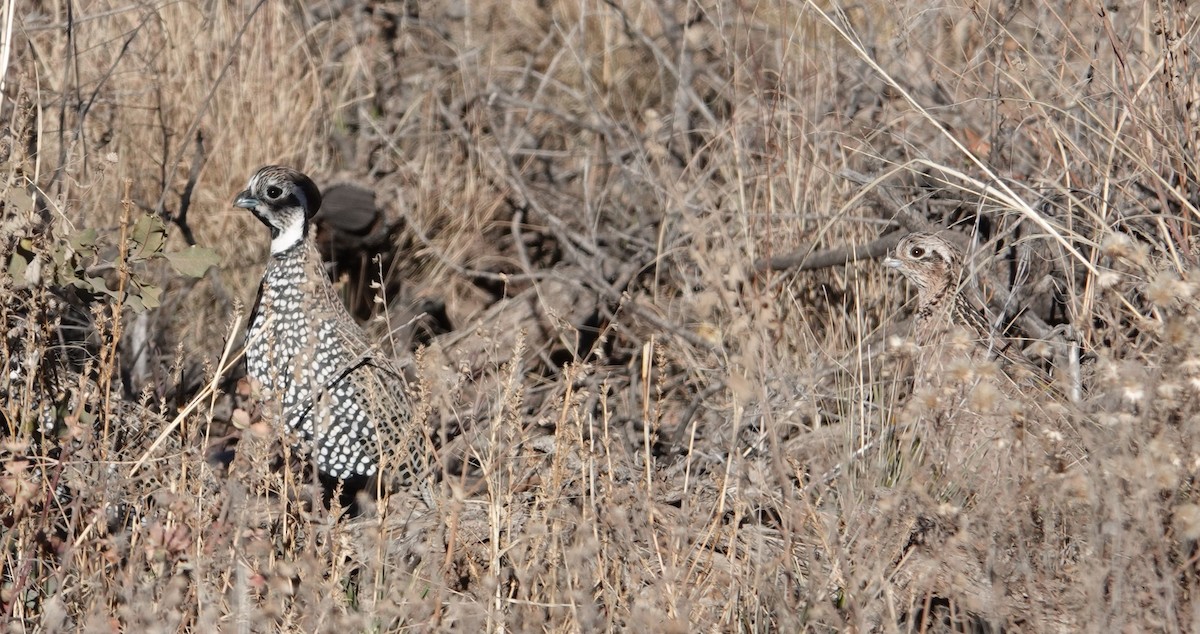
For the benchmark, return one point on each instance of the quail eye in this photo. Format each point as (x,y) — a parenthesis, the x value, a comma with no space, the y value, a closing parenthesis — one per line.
(916,252)
(274,192)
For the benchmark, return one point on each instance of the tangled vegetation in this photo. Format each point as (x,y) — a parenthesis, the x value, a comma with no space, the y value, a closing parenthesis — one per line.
(628,252)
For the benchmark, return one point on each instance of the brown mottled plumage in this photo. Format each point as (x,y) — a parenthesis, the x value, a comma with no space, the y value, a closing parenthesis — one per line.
(970,435)
(935,266)
(339,392)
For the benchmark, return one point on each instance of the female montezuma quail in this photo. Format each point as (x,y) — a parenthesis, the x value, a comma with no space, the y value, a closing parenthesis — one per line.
(935,266)
(339,393)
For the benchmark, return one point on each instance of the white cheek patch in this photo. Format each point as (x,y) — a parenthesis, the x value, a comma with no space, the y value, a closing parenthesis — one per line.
(289,235)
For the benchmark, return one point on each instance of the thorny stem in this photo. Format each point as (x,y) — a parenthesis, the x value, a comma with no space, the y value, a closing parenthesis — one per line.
(109,355)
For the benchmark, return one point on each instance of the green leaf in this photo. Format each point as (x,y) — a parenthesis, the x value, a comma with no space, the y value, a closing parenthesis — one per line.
(151,296)
(192,261)
(149,234)
(19,200)
(99,286)
(85,239)
(134,303)
(17,266)
(61,258)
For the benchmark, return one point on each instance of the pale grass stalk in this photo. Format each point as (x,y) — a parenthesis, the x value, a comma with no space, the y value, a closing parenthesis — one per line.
(1001,189)
(6,39)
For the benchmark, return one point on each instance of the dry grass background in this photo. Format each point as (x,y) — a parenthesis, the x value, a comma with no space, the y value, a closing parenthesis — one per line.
(641,425)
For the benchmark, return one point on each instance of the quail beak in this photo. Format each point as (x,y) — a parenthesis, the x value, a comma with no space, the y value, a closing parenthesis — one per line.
(891,263)
(245,200)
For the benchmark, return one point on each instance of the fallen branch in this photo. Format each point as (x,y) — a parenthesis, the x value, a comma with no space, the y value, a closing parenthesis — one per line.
(806,259)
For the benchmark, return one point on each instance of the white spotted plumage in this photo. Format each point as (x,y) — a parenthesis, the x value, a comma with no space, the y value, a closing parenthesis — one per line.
(338,393)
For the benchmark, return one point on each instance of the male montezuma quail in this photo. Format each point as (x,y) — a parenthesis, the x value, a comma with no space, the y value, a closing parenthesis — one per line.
(340,394)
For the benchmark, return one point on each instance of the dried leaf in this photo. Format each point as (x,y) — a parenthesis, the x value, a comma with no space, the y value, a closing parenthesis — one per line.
(240,418)
(742,389)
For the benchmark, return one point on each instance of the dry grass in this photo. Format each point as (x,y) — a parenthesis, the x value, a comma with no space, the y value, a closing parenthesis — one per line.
(641,430)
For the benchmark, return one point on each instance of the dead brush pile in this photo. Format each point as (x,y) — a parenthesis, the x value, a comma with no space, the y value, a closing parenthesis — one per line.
(668,382)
